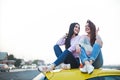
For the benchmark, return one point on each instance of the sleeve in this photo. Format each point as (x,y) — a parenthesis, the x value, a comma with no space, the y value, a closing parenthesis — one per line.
(61,41)
(84,44)
(72,48)
(98,37)
(81,40)
(77,40)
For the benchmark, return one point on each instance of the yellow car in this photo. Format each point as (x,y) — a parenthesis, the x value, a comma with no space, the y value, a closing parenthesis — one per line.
(76,74)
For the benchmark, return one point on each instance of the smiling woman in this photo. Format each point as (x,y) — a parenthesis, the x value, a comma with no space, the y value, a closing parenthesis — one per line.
(31,28)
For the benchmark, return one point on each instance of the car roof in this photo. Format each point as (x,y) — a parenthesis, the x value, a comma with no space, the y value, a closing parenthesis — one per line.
(76,74)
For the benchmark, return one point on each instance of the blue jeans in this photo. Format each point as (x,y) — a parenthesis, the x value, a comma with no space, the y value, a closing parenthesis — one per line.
(96,56)
(65,57)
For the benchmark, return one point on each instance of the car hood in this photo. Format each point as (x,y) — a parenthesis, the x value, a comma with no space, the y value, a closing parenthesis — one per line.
(76,74)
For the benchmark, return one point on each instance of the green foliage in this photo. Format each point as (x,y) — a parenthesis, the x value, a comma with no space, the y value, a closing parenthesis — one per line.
(35,62)
(18,62)
(11,57)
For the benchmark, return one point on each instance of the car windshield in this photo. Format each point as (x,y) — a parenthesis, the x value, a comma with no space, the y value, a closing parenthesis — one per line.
(106,78)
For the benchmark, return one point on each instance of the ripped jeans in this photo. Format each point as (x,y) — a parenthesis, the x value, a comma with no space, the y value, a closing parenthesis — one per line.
(96,56)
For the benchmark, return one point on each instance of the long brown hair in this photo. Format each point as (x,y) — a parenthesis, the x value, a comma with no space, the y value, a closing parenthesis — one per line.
(92,32)
(69,36)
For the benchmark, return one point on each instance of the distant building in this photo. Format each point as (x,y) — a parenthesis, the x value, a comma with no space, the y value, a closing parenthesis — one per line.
(8,61)
(29,62)
(22,62)
(40,62)
(4,58)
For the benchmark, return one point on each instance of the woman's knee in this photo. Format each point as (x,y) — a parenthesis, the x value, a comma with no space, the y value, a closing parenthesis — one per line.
(97,45)
(98,65)
(56,46)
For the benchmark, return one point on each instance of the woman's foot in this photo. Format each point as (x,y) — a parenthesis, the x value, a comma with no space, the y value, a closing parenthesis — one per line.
(46,68)
(65,66)
(90,69)
(87,69)
(84,69)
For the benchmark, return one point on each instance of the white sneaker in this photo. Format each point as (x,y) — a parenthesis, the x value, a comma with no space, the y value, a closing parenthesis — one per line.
(89,68)
(65,66)
(84,69)
(41,69)
(46,68)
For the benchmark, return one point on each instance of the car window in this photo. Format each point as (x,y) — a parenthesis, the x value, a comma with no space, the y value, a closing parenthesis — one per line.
(106,78)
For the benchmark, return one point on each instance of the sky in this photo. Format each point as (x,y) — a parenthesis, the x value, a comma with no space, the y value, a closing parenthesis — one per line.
(30,28)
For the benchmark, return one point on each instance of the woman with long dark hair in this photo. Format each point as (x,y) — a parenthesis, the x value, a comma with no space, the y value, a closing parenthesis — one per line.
(69,55)
(91,44)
